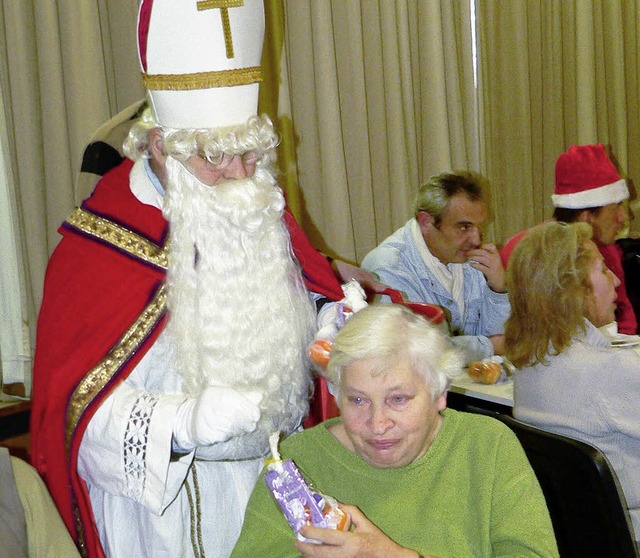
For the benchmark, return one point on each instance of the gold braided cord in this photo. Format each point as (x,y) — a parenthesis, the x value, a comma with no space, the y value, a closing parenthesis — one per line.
(98,377)
(116,235)
(214,4)
(192,512)
(196,488)
(202,80)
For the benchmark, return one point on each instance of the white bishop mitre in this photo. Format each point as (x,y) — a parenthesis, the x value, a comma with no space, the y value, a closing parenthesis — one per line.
(200,60)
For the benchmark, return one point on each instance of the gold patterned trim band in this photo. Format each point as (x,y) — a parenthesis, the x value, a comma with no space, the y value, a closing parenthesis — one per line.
(101,374)
(202,80)
(118,236)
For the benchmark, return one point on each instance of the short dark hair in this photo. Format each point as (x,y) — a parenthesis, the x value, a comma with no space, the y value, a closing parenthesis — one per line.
(567,215)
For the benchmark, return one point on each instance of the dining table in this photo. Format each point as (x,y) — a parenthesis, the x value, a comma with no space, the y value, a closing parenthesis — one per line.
(469,395)
(466,394)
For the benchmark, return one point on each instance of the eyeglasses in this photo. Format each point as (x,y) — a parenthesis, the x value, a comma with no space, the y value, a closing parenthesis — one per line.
(223,160)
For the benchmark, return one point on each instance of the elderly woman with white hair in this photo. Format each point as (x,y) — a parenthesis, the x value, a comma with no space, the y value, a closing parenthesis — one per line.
(417,479)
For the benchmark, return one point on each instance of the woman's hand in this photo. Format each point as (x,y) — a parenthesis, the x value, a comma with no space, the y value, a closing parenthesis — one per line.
(365,540)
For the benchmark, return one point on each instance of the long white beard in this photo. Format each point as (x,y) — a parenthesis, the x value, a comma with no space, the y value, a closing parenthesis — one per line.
(239,314)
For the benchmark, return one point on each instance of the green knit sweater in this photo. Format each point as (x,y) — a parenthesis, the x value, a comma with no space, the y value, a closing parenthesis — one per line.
(472,494)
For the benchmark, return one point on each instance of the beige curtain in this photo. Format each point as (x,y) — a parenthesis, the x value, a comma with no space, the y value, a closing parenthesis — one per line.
(67,67)
(554,74)
(381,97)
(15,345)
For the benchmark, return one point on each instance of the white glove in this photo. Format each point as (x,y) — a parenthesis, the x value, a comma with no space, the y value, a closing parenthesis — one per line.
(217,414)
(354,296)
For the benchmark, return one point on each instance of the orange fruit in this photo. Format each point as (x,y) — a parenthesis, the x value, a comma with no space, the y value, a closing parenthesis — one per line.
(319,352)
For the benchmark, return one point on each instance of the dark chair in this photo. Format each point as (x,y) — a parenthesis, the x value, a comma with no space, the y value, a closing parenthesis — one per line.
(631,267)
(587,506)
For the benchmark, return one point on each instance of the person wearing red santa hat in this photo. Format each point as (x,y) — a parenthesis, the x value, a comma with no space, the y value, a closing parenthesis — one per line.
(178,307)
(589,188)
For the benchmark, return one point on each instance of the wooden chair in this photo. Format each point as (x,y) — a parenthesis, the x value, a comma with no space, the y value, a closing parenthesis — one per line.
(585,501)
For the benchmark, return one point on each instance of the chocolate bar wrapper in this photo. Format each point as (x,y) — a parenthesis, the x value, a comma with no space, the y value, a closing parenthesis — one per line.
(298,503)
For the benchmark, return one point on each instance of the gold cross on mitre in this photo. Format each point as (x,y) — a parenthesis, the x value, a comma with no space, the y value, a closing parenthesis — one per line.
(224,6)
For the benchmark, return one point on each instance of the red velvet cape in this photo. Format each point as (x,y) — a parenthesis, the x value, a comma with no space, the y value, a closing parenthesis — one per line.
(93,293)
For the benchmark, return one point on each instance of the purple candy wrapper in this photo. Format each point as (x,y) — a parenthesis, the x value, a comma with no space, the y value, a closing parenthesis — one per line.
(296,500)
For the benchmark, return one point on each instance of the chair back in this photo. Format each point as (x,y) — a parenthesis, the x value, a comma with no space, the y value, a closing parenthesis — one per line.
(631,268)
(587,506)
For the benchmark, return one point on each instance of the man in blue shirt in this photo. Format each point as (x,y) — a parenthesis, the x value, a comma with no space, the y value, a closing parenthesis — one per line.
(438,257)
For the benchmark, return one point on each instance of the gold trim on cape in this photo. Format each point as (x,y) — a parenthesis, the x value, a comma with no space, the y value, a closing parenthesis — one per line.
(202,80)
(98,377)
(116,235)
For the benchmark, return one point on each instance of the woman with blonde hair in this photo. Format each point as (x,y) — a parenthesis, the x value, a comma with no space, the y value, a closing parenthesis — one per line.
(571,380)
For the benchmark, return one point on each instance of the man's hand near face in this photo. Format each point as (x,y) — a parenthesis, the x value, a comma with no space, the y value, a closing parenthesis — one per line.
(486,259)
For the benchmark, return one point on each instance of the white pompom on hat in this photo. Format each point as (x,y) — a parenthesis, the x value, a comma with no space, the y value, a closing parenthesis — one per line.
(200,60)
(586,177)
